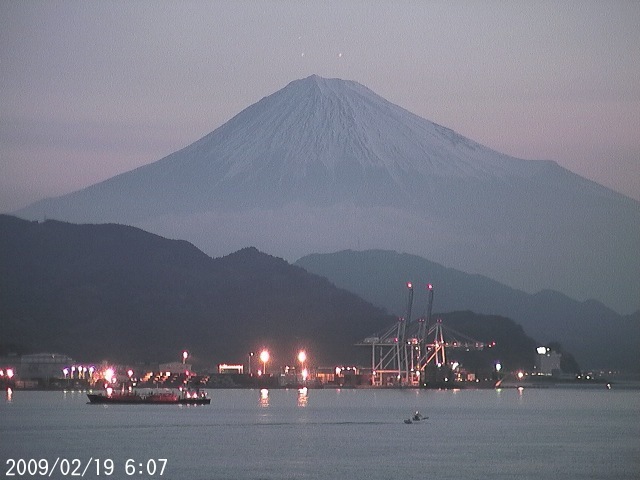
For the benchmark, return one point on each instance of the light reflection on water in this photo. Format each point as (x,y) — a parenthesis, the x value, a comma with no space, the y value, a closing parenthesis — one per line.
(264,398)
(355,434)
(303,397)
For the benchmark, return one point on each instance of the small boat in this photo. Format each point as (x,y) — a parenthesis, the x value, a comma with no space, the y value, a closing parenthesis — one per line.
(134,398)
(418,417)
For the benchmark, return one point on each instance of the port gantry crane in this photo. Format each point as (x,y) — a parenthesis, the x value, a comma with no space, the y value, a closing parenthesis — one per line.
(401,354)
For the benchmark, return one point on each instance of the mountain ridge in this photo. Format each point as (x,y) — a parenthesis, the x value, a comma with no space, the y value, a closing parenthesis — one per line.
(596,335)
(117,293)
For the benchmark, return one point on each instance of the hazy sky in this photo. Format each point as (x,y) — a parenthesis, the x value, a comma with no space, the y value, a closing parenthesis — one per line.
(90,89)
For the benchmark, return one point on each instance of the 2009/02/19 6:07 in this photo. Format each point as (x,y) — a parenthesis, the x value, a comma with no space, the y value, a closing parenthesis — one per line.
(77,468)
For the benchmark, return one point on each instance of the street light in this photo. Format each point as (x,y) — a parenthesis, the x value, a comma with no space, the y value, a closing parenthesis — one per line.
(302,356)
(184,356)
(264,358)
(251,354)
(110,375)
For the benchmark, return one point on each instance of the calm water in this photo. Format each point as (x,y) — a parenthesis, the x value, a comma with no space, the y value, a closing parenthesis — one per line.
(339,434)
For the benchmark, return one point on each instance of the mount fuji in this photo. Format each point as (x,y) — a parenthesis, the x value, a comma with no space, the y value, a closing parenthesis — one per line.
(326,164)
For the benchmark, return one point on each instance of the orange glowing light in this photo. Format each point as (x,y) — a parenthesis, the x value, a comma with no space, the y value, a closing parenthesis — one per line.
(264,358)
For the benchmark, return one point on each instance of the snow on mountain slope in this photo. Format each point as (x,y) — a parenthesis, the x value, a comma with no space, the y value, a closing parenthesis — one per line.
(344,122)
(317,141)
(326,164)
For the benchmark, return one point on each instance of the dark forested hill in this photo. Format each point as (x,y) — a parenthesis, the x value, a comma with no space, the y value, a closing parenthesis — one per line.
(111,291)
(115,292)
(508,343)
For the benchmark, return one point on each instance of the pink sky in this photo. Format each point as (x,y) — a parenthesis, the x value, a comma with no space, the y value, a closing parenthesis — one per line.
(91,89)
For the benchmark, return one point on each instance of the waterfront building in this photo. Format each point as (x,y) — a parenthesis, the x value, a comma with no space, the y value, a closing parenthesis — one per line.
(174,368)
(229,369)
(547,362)
(46,366)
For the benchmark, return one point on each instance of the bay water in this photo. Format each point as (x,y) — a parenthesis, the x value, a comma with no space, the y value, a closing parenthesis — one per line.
(564,433)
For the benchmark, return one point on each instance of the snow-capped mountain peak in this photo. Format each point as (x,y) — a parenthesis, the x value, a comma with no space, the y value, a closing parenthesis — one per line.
(332,126)
(326,164)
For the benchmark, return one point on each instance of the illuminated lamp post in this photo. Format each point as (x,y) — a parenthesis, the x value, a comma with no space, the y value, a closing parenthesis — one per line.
(130,375)
(251,354)
(264,358)
(110,375)
(185,354)
(302,357)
